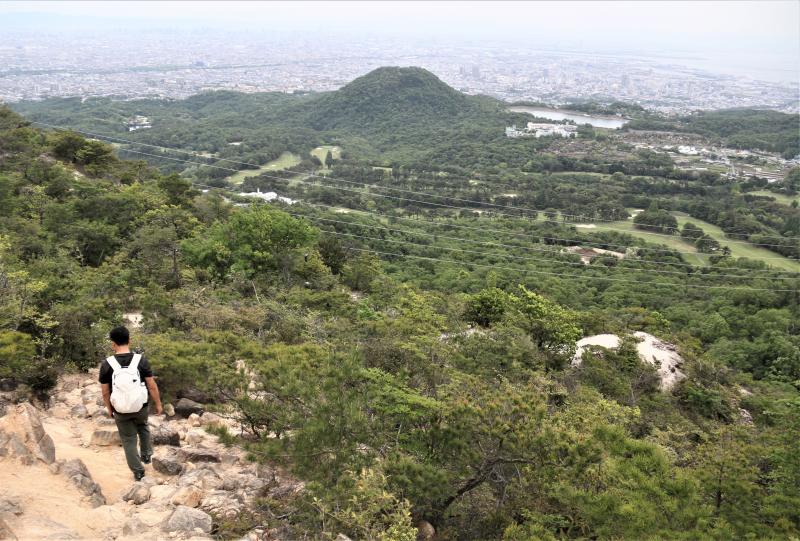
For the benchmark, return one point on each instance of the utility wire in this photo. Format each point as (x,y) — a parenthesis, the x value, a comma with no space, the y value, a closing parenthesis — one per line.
(505,246)
(526,271)
(361,192)
(417,221)
(337,179)
(772,273)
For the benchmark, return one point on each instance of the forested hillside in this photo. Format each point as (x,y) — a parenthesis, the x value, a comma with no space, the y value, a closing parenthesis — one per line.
(408,371)
(433,138)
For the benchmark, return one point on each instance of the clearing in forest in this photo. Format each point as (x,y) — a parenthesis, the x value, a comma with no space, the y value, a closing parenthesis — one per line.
(322,151)
(284,161)
(779,197)
(675,242)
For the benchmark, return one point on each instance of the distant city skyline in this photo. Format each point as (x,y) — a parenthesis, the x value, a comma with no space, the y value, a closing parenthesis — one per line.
(546,52)
(728,37)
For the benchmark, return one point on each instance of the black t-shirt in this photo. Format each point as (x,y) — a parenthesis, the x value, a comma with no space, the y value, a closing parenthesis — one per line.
(124,359)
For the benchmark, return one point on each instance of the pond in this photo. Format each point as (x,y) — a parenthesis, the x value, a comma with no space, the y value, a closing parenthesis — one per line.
(609,122)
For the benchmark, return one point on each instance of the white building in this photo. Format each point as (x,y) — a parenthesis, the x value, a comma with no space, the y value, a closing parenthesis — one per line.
(534,129)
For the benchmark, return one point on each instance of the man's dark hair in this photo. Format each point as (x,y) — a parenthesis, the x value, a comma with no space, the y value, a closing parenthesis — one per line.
(120,336)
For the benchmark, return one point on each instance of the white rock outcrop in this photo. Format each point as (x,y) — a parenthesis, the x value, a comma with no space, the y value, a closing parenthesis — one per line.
(662,355)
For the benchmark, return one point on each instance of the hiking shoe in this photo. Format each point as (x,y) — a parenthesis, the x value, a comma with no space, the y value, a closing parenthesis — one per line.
(146,460)
(138,475)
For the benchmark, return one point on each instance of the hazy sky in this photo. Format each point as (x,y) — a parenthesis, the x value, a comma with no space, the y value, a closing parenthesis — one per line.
(762,31)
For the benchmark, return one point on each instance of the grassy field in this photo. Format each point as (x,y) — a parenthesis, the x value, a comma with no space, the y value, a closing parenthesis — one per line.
(738,249)
(779,197)
(321,152)
(284,161)
(673,242)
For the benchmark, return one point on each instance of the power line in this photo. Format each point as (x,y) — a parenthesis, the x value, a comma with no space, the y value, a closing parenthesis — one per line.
(264,175)
(382,195)
(526,271)
(506,246)
(337,179)
(416,221)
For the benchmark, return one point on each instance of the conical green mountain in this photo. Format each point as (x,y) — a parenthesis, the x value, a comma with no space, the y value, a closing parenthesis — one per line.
(390,97)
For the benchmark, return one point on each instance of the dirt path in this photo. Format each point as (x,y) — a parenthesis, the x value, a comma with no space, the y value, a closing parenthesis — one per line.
(53,508)
(106,464)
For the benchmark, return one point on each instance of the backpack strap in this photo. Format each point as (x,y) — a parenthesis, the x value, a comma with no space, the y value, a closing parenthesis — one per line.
(135,361)
(113,363)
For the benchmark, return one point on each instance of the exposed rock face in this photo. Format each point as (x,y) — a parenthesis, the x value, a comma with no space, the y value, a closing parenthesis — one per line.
(10,505)
(169,410)
(106,437)
(75,470)
(222,504)
(164,435)
(198,455)
(139,493)
(651,350)
(425,531)
(22,436)
(79,410)
(211,419)
(6,533)
(186,407)
(167,465)
(185,520)
(190,496)
(203,479)
(196,395)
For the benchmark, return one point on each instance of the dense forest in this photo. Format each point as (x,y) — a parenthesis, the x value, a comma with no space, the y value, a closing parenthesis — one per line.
(411,361)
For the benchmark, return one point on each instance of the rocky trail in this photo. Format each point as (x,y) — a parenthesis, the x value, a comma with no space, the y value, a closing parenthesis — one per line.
(63,473)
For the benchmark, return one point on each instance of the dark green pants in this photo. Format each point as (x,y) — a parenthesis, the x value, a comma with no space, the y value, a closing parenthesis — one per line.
(131,426)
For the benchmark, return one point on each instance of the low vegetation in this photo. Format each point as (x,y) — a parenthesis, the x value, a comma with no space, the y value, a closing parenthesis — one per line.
(411,361)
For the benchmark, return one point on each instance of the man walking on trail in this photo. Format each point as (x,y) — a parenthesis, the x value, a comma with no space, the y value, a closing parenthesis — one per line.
(127,383)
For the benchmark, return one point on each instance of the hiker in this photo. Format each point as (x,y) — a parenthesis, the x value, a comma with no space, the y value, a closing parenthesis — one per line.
(127,382)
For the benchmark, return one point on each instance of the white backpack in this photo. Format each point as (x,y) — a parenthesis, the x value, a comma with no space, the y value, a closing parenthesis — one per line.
(128,390)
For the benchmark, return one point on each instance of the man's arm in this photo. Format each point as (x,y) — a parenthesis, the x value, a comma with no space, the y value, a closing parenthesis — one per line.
(153,388)
(107,398)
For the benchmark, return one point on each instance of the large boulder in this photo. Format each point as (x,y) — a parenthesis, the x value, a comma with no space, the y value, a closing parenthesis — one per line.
(22,435)
(168,465)
(195,394)
(164,435)
(79,410)
(186,520)
(198,455)
(211,419)
(106,437)
(139,493)
(190,496)
(425,531)
(169,410)
(204,478)
(75,470)
(161,493)
(222,504)
(186,407)
(195,436)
